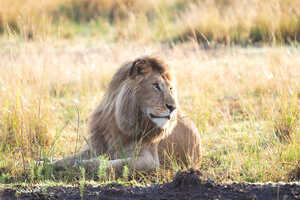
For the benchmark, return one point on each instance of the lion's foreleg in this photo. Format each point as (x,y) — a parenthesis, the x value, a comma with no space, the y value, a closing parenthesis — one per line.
(70,161)
(94,163)
(145,162)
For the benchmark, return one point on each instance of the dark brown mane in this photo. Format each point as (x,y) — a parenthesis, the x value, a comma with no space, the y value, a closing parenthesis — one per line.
(127,69)
(156,64)
(147,64)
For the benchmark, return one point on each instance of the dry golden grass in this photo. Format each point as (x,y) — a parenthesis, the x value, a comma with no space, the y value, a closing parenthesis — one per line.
(243,22)
(242,101)
(245,102)
(213,21)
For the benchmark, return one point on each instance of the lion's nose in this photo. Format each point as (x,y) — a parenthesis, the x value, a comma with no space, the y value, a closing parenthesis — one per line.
(171,107)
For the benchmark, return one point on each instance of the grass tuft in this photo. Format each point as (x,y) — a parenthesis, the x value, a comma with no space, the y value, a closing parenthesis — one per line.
(287,123)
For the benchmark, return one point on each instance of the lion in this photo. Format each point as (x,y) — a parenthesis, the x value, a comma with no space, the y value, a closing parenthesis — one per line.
(138,122)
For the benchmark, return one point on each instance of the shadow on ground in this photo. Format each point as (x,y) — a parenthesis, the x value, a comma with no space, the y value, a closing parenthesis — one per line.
(186,185)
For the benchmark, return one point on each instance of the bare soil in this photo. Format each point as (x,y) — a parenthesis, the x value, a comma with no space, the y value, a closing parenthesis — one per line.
(186,185)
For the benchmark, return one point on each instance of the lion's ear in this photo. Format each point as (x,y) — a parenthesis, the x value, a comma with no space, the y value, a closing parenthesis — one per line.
(139,67)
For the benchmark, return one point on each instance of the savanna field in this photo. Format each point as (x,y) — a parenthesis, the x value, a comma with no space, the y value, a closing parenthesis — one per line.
(237,65)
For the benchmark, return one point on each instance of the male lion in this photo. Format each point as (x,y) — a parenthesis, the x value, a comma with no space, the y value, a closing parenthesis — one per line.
(138,122)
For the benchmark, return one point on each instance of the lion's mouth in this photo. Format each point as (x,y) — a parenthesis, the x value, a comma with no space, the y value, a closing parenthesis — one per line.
(155,116)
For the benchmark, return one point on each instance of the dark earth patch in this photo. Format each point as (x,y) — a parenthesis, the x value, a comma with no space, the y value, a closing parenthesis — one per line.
(186,185)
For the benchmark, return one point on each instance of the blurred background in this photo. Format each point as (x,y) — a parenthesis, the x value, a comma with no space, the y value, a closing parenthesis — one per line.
(208,21)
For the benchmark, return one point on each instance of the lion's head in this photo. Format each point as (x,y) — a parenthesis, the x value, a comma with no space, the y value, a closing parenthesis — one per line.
(146,98)
(155,91)
(142,99)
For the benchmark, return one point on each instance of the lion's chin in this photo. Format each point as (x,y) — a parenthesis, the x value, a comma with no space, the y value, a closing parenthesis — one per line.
(160,122)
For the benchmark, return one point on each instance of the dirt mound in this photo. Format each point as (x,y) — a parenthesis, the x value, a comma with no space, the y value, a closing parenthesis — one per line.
(186,185)
(185,178)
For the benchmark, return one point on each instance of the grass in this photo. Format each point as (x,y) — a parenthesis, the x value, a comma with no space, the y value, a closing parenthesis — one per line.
(208,22)
(57,58)
(245,103)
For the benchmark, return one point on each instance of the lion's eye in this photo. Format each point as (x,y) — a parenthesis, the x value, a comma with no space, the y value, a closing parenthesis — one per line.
(157,87)
(171,89)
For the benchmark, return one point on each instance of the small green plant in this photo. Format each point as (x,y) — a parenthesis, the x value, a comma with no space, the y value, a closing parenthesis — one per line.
(82,182)
(4,177)
(125,172)
(103,168)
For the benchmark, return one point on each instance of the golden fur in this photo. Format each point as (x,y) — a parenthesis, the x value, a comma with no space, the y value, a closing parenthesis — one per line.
(138,121)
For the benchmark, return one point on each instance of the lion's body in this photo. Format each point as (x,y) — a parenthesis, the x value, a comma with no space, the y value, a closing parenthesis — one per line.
(183,144)
(137,122)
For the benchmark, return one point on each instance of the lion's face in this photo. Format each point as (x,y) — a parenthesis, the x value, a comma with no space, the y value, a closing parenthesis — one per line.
(157,98)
